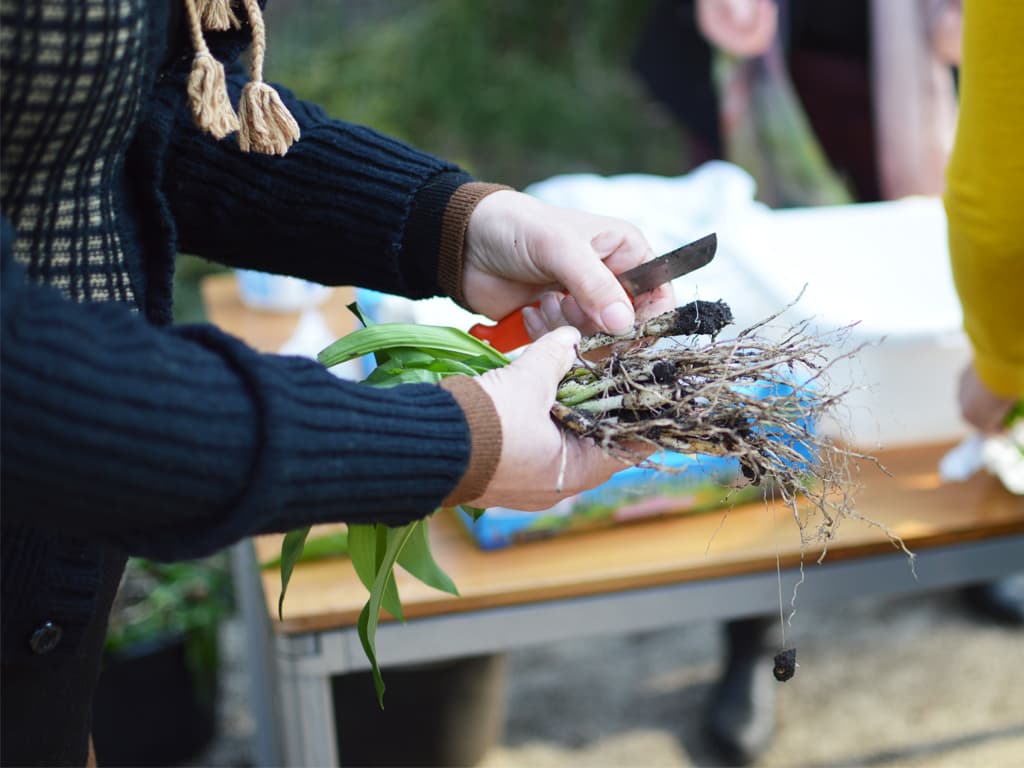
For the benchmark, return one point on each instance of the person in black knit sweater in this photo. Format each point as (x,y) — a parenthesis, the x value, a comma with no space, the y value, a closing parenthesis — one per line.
(124,141)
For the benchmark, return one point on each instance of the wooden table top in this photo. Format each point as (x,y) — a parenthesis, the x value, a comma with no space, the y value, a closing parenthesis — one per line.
(267,331)
(913,503)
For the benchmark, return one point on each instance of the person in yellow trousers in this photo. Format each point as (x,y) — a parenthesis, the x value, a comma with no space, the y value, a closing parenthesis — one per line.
(985,210)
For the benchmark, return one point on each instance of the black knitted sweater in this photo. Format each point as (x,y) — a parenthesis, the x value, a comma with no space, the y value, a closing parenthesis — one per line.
(125,435)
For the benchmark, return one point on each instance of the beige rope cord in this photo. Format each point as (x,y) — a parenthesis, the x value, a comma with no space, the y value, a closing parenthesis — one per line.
(217,15)
(267,125)
(207,85)
(263,122)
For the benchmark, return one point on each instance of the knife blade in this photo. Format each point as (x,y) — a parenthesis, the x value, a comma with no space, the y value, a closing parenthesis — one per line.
(510,332)
(673,264)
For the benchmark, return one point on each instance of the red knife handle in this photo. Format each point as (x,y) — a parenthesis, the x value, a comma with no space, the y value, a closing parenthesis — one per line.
(510,332)
(507,334)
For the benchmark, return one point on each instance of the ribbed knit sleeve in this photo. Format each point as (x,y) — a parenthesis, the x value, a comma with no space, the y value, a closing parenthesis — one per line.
(985,192)
(346,205)
(172,443)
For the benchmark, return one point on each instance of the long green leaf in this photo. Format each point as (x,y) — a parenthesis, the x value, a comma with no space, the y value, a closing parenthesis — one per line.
(360,315)
(451,368)
(389,599)
(362,548)
(438,340)
(474,512)
(484,363)
(418,560)
(378,357)
(368,619)
(407,357)
(405,353)
(367,545)
(291,551)
(384,376)
(317,548)
(367,639)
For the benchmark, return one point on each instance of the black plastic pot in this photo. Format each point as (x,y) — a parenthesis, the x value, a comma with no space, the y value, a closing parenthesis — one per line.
(444,714)
(150,709)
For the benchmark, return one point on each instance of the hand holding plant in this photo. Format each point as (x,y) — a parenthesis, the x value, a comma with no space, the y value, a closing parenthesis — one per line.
(540,464)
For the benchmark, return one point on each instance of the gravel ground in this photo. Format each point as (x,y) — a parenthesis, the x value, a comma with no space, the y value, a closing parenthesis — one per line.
(901,682)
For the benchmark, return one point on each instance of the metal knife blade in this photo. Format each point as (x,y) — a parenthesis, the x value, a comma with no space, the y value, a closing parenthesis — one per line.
(673,264)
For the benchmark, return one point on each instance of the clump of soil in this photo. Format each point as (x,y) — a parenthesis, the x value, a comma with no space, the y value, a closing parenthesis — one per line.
(698,318)
(785,665)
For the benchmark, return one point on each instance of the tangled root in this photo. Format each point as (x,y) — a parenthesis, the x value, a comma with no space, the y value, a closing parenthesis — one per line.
(752,398)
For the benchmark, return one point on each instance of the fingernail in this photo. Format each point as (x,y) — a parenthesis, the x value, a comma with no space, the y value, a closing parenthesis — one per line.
(617,318)
(571,311)
(550,309)
(534,325)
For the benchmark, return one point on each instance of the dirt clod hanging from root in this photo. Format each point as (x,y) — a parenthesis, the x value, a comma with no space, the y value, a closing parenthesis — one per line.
(785,665)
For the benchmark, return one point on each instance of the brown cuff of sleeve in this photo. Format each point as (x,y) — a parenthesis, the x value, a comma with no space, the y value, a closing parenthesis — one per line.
(453,236)
(484,438)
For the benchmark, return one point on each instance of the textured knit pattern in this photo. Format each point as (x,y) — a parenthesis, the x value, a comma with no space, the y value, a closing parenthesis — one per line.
(64,130)
(485,429)
(121,433)
(453,236)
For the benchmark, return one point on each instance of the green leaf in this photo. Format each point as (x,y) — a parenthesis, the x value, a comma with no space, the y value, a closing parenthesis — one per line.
(418,560)
(384,376)
(484,363)
(354,308)
(367,638)
(440,341)
(360,315)
(318,548)
(367,545)
(291,551)
(409,357)
(474,512)
(396,539)
(362,548)
(451,368)
(389,599)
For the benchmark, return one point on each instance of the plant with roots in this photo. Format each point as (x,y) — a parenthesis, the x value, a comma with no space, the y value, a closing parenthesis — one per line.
(672,385)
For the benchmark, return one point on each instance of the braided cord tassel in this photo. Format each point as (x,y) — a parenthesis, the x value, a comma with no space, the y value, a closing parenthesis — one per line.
(217,15)
(207,85)
(266,125)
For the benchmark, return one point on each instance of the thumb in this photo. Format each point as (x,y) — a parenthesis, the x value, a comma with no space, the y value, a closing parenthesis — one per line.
(551,356)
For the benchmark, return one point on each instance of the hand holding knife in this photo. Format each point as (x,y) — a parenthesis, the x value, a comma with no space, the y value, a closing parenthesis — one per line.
(510,332)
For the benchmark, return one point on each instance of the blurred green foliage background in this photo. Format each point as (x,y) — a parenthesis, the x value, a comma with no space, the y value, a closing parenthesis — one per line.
(513,90)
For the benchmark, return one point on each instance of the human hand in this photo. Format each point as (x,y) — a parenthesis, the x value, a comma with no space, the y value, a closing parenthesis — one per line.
(539,463)
(979,405)
(744,28)
(519,249)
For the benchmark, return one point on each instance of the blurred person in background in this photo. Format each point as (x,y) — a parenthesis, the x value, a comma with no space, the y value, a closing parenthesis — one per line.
(123,434)
(872,108)
(881,108)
